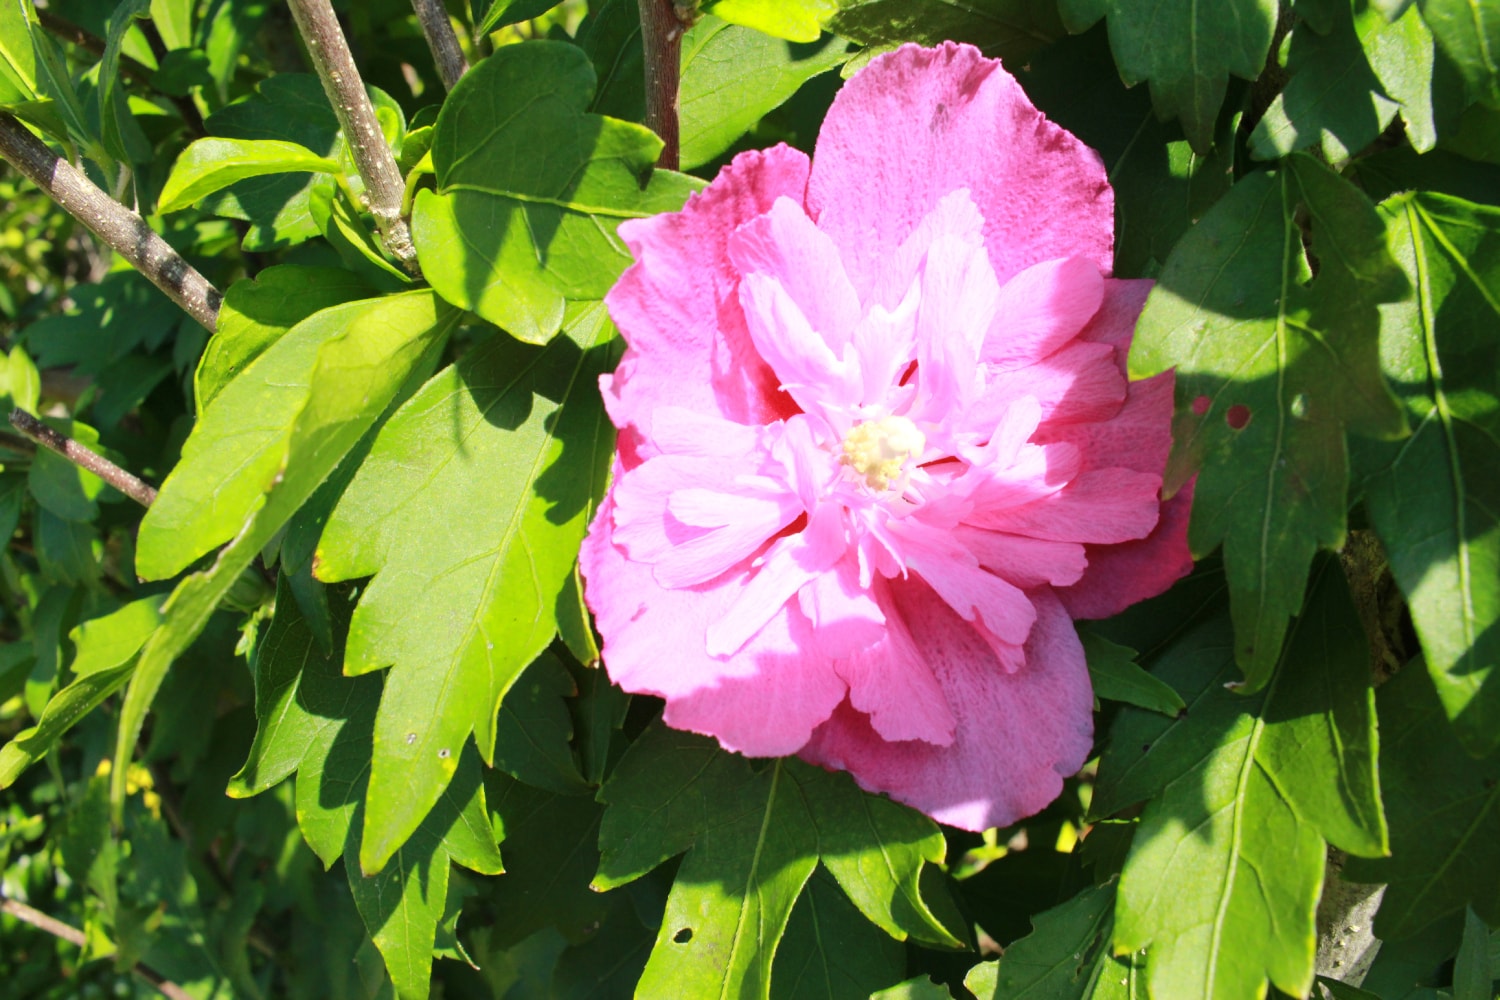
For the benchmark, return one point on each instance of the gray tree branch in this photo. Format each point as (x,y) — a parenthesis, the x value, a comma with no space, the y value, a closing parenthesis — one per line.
(446,52)
(85,458)
(121,229)
(330,55)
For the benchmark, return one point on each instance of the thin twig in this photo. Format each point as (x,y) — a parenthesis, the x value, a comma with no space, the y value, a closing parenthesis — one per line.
(74,936)
(441,39)
(92,461)
(661,40)
(121,229)
(330,55)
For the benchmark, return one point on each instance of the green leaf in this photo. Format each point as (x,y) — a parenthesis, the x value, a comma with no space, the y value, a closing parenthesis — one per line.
(1435,499)
(1473,979)
(512,443)
(1273,367)
(793,20)
(506,12)
(210,165)
(63,711)
(290,107)
(240,447)
(1468,32)
(1223,875)
(17,61)
(754,838)
(1117,677)
(1444,809)
(1161,186)
(830,950)
(1333,97)
(257,311)
(919,988)
(339,220)
(1187,50)
(302,702)
(1401,54)
(360,360)
(733,76)
(1065,957)
(113,640)
(533,731)
(318,723)
(119,132)
(1009,29)
(514,236)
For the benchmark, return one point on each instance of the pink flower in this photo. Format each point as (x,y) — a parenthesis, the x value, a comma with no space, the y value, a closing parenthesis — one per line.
(877,447)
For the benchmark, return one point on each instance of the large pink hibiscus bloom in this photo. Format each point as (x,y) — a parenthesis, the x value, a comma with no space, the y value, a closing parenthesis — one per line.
(877,447)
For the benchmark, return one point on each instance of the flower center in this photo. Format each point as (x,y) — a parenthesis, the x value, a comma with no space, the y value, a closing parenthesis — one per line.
(878,450)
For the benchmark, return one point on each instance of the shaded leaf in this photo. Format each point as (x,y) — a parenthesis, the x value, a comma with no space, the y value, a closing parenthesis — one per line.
(1186,50)
(1273,367)
(831,952)
(1117,677)
(1333,97)
(1009,29)
(1240,788)
(1444,809)
(753,839)
(257,311)
(1435,498)
(1469,33)
(732,76)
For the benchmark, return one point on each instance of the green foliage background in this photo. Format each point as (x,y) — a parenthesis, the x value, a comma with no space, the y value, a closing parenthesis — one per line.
(327,720)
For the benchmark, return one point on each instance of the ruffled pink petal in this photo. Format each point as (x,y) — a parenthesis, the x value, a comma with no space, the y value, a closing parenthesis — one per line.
(893,685)
(918,124)
(785,245)
(807,369)
(1017,734)
(791,562)
(1026,562)
(958,301)
(1041,309)
(764,701)
(1078,383)
(1103,506)
(678,306)
(954,574)
(1120,575)
(845,616)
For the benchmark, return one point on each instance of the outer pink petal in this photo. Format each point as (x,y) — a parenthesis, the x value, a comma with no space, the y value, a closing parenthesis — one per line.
(678,304)
(917,124)
(1017,735)
(763,701)
(1120,575)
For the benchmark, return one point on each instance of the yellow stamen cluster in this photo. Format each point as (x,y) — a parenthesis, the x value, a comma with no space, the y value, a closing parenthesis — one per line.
(878,450)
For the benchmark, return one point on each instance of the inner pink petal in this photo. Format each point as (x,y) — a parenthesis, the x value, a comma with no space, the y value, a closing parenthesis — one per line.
(790,563)
(785,244)
(1041,309)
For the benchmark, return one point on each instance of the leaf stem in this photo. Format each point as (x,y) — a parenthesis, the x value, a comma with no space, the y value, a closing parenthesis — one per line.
(330,55)
(137,490)
(74,936)
(661,40)
(446,53)
(121,229)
